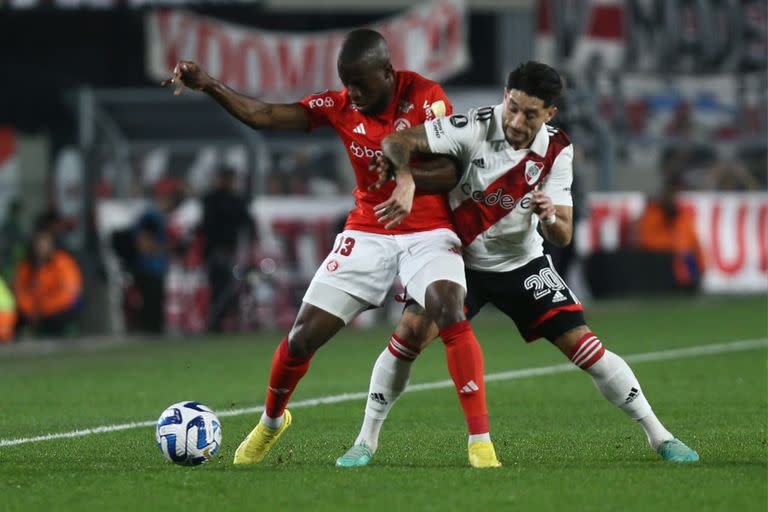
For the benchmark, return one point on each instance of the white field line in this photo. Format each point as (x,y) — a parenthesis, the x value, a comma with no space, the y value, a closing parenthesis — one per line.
(677,353)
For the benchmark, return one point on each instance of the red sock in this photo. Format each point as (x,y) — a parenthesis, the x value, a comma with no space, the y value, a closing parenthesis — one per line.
(465,363)
(287,371)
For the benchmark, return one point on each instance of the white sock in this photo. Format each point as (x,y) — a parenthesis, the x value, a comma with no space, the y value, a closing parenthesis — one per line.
(479,437)
(272,423)
(369,432)
(655,431)
(618,384)
(388,381)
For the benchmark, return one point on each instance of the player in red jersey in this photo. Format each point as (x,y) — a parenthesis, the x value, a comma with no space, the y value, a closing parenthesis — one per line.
(422,250)
(516,176)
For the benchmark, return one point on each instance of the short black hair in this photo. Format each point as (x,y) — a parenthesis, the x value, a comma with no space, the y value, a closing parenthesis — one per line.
(536,79)
(364,46)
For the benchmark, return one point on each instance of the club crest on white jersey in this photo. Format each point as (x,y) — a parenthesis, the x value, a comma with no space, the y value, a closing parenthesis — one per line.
(533,171)
(492,203)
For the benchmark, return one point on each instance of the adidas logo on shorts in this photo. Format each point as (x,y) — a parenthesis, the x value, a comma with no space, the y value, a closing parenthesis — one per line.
(558,297)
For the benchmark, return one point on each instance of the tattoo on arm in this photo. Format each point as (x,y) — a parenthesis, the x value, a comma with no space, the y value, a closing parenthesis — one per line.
(400,146)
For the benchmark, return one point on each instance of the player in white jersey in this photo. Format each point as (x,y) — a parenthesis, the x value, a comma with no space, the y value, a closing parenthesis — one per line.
(516,174)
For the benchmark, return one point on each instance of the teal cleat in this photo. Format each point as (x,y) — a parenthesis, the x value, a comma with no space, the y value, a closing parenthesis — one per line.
(678,451)
(356,457)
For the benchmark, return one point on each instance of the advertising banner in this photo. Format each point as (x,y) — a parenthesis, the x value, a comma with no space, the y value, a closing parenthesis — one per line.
(430,39)
(732,229)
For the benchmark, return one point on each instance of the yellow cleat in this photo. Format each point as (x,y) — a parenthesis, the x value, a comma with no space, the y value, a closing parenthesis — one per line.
(482,455)
(256,446)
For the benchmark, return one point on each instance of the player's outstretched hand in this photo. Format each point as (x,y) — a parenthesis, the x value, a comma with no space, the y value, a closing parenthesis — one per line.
(383,168)
(395,209)
(543,205)
(187,74)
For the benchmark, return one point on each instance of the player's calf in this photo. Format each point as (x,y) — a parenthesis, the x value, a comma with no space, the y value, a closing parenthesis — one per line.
(615,380)
(444,304)
(389,379)
(312,328)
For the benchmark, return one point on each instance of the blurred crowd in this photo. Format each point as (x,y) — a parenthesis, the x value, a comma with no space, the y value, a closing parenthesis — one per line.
(41,283)
(147,249)
(41,287)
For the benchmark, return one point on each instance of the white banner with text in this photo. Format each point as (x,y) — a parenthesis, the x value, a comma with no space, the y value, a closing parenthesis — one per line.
(430,39)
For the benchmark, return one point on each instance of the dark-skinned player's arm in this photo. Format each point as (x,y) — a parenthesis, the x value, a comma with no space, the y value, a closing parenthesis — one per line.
(253,112)
(398,148)
(433,174)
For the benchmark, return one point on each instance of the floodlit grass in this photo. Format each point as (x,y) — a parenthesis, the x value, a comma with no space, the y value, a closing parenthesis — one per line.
(563,447)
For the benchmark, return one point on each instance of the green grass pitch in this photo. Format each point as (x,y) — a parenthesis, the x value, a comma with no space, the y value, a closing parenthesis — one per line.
(563,447)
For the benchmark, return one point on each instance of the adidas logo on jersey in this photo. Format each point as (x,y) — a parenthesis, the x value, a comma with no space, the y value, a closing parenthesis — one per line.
(479,162)
(558,297)
(379,398)
(469,387)
(359,129)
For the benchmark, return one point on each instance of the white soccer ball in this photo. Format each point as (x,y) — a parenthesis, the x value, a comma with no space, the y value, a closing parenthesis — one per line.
(188,433)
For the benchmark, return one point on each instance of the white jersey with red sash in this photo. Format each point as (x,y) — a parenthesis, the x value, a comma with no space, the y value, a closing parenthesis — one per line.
(491,205)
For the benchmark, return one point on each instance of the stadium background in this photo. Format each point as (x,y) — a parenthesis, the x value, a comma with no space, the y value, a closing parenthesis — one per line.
(656,90)
(88,132)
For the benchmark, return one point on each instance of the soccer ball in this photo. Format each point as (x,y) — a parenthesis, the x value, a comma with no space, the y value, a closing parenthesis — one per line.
(188,433)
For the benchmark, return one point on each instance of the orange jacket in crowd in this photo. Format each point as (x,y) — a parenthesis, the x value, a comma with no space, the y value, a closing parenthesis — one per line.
(659,232)
(52,288)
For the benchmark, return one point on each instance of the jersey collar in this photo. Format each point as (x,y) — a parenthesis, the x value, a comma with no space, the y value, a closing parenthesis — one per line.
(496,133)
(541,141)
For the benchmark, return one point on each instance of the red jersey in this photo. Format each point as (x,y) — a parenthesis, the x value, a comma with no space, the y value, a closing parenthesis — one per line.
(415,101)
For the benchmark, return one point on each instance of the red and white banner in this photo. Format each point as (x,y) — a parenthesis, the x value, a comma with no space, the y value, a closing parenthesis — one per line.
(732,229)
(430,39)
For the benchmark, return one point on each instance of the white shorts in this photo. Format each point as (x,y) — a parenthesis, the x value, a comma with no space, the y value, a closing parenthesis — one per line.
(362,267)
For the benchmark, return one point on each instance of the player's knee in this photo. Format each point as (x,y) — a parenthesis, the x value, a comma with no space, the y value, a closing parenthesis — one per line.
(568,341)
(414,332)
(448,314)
(407,335)
(299,342)
(445,303)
